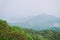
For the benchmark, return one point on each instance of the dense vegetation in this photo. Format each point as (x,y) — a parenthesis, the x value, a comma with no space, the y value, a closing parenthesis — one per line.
(8,32)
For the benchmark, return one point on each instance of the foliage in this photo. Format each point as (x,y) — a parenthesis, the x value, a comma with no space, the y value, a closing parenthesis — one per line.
(8,32)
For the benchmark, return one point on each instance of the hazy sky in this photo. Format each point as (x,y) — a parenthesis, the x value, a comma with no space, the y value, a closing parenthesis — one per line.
(25,8)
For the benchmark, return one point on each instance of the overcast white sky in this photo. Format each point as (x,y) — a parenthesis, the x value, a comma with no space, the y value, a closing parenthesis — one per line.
(25,8)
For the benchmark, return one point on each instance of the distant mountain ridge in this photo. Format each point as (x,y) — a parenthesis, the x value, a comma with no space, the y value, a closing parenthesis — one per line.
(39,22)
(53,28)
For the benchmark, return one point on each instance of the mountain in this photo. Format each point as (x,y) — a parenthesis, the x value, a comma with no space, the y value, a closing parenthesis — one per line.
(39,22)
(54,28)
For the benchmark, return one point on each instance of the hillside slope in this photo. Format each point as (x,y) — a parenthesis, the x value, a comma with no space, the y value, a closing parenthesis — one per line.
(8,32)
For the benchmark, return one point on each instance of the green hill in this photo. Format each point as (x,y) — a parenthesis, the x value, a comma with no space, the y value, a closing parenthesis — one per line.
(8,32)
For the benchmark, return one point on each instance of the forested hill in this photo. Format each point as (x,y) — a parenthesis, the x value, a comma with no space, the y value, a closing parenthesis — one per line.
(8,32)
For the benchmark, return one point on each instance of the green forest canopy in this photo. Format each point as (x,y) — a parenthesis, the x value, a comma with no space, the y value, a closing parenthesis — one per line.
(8,32)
